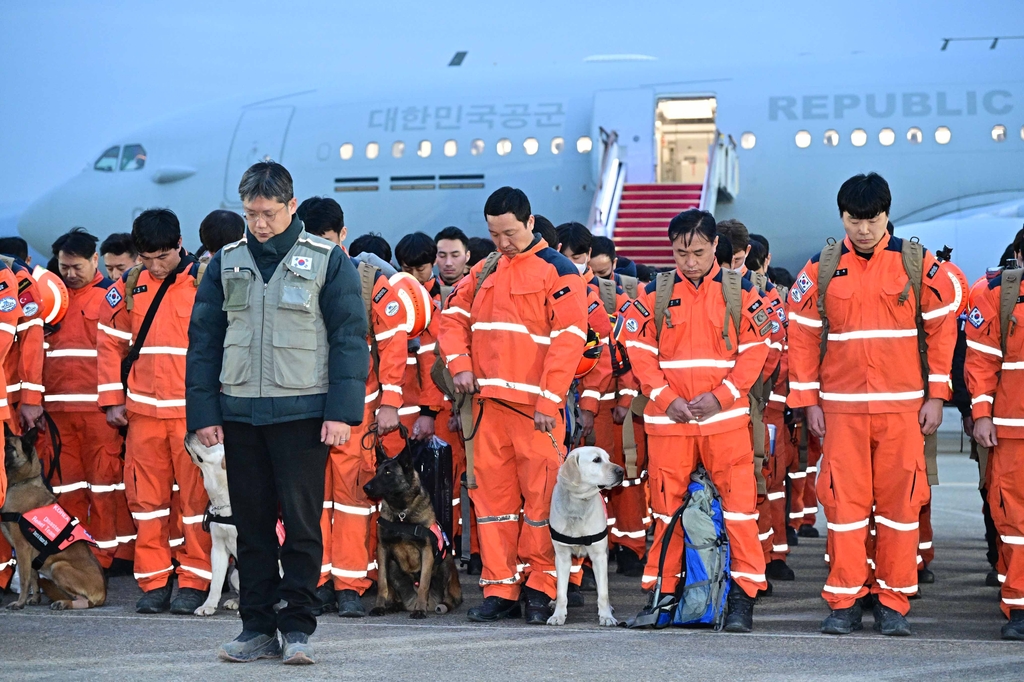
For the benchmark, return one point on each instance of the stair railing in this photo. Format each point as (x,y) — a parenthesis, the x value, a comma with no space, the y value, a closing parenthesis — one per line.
(722,174)
(611,175)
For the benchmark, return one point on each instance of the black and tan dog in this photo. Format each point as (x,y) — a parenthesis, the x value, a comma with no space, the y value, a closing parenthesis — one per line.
(415,567)
(72,577)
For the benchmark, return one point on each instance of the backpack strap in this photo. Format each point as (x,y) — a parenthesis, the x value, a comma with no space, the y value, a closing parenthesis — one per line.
(203,264)
(664,284)
(828,261)
(783,292)
(758,280)
(1009,289)
(631,285)
(7,260)
(367,278)
(913,264)
(129,286)
(629,451)
(490,265)
(446,291)
(606,287)
(732,291)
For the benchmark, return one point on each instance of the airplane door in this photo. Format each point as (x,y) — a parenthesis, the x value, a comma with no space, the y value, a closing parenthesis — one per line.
(259,136)
(630,113)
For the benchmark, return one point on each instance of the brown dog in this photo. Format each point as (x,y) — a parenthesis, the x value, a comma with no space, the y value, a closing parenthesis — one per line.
(71,578)
(415,567)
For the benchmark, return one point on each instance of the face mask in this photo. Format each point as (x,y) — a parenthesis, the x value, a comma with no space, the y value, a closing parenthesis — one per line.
(582,267)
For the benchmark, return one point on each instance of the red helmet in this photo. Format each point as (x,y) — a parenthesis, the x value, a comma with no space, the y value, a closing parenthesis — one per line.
(54,294)
(591,354)
(414,299)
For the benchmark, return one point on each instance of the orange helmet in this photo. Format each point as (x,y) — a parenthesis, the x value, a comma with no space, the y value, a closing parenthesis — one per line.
(410,295)
(591,354)
(54,295)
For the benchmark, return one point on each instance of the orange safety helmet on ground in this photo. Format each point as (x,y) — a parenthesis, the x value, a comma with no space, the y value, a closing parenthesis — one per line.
(414,299)
(54,294)
(591,354)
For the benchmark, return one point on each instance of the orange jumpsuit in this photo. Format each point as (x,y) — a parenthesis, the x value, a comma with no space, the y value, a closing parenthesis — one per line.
(871,390)
(10,312)
(155,455)
(521,336)
(350,535)
(995,379)
(689,359)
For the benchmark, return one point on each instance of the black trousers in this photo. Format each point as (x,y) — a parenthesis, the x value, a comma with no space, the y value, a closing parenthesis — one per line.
(271,468)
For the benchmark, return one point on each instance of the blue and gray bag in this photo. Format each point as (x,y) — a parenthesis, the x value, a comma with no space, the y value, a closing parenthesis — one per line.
(703,588)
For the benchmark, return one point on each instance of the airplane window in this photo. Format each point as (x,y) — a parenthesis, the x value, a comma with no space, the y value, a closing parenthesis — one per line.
(397,149)
(803,139)
(748,140)
(108,160)
(859,137)
(346,151)
(584,145)
(999,133)
(451,148)
(915,136)
(504,146)
(372,150)
(831,138)
(558,144)
(133,157)
(476,147)
(423,151)
(530,145)
(886,136)
(942,134)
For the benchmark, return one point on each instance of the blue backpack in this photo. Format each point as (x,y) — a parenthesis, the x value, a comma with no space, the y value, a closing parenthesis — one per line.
(703,588)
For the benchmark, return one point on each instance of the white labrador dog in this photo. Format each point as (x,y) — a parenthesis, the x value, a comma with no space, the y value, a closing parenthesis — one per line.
(579,524)
(224,536)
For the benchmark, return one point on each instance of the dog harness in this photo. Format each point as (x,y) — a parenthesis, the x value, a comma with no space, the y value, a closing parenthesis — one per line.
(49,529)
(211,515)
(433,536)
(585,540)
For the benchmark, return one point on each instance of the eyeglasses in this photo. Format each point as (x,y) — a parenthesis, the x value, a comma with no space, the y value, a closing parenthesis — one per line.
(268,216)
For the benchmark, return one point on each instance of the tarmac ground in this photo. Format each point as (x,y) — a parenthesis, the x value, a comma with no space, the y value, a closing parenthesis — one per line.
(956,631)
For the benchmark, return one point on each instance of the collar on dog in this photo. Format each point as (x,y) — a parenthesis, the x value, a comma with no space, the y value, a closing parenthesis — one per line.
(585,541)
(212,516)
(49,530)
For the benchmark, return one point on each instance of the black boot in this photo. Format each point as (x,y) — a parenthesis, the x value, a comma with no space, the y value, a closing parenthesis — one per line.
(890,622)
(328,600)
(925,576)
(791,537)
(808,531)
(589,582)
(155,601)
(629,564)
(538,606)
(476,565)
(778,570)
(992,578)
(188,600)
(843,621)
(494,608)
(741,610)
(767,591)
(350,605)
(1015,628)
(574,597)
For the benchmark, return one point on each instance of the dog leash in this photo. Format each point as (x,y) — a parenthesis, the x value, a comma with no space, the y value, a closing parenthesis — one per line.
(550,435)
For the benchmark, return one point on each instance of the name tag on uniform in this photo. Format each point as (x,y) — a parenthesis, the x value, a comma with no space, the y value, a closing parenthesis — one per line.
(841,273)
(302,262)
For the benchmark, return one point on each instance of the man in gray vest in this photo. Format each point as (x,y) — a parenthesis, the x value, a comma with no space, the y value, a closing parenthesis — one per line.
(276,365)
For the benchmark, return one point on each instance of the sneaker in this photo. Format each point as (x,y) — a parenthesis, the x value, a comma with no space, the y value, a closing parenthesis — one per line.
(188,600)
(297,649)
(494,608)
(629,564)
(574,597)
(925,575)
(155,601)
(476,565)
(992,578)
(808,531)
(1014,629)
(890,622)
(250,646)
(328,600)
(350,605)
(792,539)
(777,569)
(538,606)
(843,621)
(741,611)
(589,582)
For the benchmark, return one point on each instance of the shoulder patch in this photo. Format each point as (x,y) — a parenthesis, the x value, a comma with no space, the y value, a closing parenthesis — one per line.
(781,314)
(380,294)
(113,297)
(765,329)
(760,317)
(593,307)
(8,303)
(754,307)
(976,318)
(561,292)
(3,285)
(933,270)
(803,283)
(391,309)
(640,307)
(632,325)
(625,307)
(795,295)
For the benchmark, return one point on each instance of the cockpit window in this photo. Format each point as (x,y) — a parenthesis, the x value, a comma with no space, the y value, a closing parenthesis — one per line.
(108,160)
(133,157)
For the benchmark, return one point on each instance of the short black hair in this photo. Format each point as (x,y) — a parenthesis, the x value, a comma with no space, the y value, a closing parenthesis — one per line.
(644,273)
(690,222)
(479,249)
(723,253)
(864,196)
(156,229)
(320,215)
(508,200)
(1018,241)
(546,229)
(220,228)
(269,180)
(414,250)
(453,233)
(14,246)
(736,232)
(755,258)
(371,242)
(76,242)
(602,246)
(762,240)
(574,237)
(781,277)
(119,243)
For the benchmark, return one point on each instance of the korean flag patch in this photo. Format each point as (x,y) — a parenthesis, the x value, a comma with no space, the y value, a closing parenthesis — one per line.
(804,283)
(976,318)
(113,298)
(302,262)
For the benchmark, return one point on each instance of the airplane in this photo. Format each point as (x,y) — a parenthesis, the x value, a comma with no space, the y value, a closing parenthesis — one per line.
(620,142)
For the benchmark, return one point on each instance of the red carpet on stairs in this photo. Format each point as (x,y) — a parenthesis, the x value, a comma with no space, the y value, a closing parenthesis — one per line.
(641,225)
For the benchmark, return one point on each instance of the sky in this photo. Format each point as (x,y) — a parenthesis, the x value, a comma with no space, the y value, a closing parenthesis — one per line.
(74,74)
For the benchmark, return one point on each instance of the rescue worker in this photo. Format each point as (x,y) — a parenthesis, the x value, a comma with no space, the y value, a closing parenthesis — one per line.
(868,400)
(535,302)
(603,259)
(697,374)
(277,360)
(152,405)
(995,357)
(452,255)
(118,254)
(220,228)
(10,312)
(739,239)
